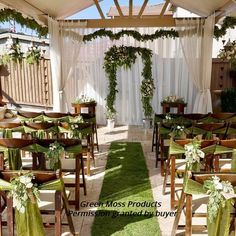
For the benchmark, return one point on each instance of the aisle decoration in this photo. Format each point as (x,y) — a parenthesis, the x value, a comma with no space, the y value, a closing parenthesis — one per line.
(23,190)
(54,155)
(193,154)
(125,182)
(219,192)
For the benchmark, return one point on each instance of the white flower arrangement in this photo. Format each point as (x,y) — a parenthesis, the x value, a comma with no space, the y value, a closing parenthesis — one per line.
(228,53)
(168,117)
(217,190)
(84,99)
(193,153)
(12,52)
(33,54)
(173,99)
(23,191)
(54,154)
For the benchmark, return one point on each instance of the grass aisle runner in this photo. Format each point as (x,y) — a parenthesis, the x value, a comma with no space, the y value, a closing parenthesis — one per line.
(126,201)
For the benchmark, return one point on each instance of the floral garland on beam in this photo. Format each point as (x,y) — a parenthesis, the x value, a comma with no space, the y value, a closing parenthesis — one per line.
(7,14)
(136,35)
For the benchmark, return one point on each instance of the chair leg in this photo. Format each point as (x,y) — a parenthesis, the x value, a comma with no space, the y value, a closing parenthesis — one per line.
(153,137)
(178,214)
(83,176)
(10,218)
(166,176)
(58,213)
(77,180)
(68,215)
(188,227)
(172,182)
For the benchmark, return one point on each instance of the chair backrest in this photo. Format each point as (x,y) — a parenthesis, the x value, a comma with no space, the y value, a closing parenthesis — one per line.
(39,125)
(230,143)
(29,114)
(200,177)
(55,114)
(39,176)
(223,116)
(10,125)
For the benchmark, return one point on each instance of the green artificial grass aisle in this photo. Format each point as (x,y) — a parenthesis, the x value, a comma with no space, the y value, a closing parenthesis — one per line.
(126,203)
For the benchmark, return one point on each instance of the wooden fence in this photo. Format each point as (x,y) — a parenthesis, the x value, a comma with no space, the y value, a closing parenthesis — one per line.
(24,84)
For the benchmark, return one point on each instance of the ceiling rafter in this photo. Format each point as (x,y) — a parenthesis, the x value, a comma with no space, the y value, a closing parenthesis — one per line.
(164,7)
(142,8)
(118,8)
(99,9)
(156,21)
(130,8)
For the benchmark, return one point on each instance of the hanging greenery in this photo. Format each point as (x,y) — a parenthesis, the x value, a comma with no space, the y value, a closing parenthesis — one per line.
(228,23)
(7,14)
(136,35)
(125,56)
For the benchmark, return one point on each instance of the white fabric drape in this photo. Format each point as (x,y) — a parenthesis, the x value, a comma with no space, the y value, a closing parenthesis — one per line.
(55,58)
(196,36)
(169,72)
(65,42)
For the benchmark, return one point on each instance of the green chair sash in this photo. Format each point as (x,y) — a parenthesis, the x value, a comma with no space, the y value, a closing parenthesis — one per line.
(220,226)
(30,222)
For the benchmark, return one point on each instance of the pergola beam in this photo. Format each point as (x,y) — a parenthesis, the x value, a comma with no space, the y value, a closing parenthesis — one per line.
(99,9)
(125,22)
(142,8)
(118,8)
(164,8)
(130,8)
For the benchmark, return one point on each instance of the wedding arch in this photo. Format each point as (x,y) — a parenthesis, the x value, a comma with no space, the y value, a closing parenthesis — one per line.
(125,56)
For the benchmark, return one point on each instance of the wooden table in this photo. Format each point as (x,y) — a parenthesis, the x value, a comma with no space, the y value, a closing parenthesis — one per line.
(89,108)
(179,105)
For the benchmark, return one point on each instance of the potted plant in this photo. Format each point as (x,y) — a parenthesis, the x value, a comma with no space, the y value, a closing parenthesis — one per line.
(228,100)
(110,115)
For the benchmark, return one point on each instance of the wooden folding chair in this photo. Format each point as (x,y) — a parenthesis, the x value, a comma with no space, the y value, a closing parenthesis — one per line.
(187,202)
(171,168)
(40,177)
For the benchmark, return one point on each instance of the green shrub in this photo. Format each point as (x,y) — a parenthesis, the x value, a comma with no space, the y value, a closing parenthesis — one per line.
(228,100)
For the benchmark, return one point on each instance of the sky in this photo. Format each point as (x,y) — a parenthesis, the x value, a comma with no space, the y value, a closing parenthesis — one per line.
(92,12)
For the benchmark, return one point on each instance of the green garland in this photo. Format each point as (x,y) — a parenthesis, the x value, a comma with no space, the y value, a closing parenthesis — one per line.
(7,14)
(228,23)
(123,55)
(136,35)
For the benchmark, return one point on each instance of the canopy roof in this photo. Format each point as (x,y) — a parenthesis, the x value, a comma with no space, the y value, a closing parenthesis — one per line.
(61,9)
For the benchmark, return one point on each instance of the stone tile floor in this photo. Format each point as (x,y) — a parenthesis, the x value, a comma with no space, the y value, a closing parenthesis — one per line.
(83,224)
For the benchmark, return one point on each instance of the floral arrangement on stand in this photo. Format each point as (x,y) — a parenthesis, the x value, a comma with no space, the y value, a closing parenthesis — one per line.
(193,153)
(54,155)
(23,190)
(228,53)
(173,99)
(218,192)
(84,99)
(33,54)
